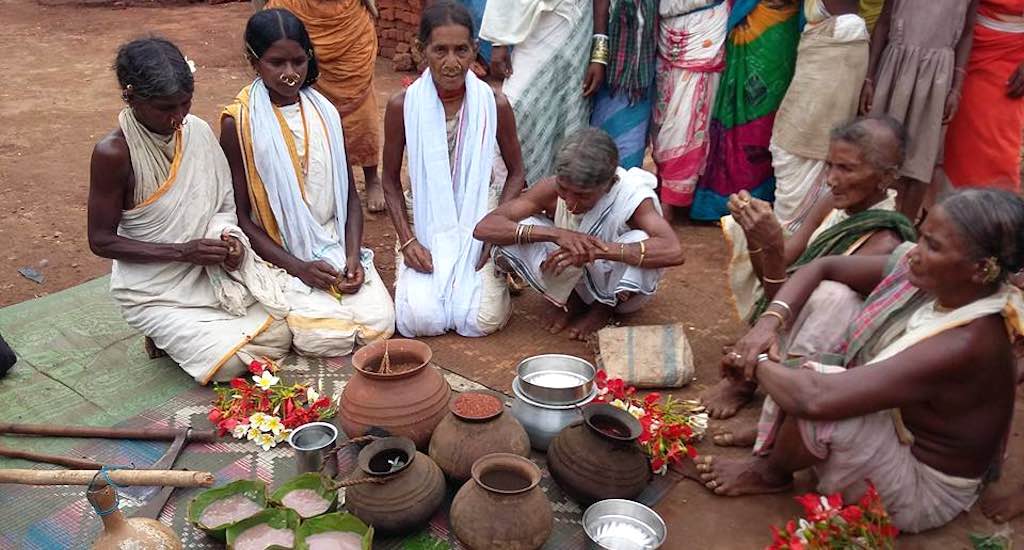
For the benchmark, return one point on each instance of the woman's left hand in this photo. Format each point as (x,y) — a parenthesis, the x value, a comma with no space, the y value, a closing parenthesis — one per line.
(757,219)
(350,281)
(762,338)
(952,103)
(594,79)
(236,252)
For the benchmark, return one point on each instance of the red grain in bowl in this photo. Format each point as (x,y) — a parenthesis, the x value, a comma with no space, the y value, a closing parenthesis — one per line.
(476,405)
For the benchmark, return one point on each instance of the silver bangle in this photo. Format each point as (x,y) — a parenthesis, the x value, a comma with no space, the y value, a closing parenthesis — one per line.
(762,357)
(783,305)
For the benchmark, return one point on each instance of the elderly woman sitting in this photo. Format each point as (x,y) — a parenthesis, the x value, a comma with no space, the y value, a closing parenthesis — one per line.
(855,216)
(603,248)
(920,395)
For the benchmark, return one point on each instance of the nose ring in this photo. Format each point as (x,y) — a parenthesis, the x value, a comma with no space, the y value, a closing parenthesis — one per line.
(289,80)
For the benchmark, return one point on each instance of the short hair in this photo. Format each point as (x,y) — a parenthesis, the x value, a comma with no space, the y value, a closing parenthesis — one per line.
(992,224)
(444,13)
(587,158)
(268,26)
(861,132)
(152,67)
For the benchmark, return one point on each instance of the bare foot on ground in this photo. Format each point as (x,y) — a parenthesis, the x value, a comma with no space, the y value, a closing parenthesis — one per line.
(593,319)
(743,476)
(1002,507)
(725,398)
(374,191)
(560,317)
(740,436)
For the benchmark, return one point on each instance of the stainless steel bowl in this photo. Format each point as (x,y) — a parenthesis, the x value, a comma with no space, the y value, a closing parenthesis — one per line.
(542,421)
(618,524)
(556,379)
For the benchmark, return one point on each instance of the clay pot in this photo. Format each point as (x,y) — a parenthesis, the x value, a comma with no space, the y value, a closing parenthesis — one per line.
(409,403)
(412,491)
(503,507)
(599,458)
(120,532)
(459,441)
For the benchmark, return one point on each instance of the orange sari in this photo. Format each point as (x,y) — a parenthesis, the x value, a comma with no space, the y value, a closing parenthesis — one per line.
(983,143)
(345,43)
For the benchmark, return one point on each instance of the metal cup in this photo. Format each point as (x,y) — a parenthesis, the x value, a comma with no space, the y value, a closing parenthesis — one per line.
(314,445)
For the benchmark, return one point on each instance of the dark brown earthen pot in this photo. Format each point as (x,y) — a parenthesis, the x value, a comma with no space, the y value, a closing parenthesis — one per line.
(409,403)
(503,506)
(599,458)
(410,493)
(120,532)
(460,440)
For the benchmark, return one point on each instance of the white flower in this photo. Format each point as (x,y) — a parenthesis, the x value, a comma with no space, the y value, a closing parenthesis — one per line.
(637,412)
(272,424)
(239,431)
(257,418)
(265,380)
(655,424)
(620,404)
(699,421)
(282,436)
(266,441)
(805,530)
(253,432)
(311,395)
(191,65)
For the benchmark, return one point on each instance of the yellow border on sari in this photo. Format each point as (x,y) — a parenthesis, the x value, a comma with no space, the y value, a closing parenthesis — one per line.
(234,350)
(171,176)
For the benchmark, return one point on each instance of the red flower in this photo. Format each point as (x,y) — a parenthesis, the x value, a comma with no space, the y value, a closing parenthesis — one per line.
(657,463)
(214,415)
(652,398)
(240,384)
(852,514)
(256,367)
(691,451)
(890,531)
(323,403)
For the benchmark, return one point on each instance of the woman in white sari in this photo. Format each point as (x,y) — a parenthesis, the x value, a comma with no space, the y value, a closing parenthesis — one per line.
(160,206)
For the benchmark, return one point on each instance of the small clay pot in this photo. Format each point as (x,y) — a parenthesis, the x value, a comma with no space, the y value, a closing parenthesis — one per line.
(459,441)
(503,507)
(409,403)
(599,458)
(120,532)
(410,494)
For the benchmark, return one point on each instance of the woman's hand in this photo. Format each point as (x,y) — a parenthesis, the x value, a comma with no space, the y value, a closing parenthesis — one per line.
(352,280)
(1015,86)
(757,219)
(739,363)
(317,274)
(594,79)
(501,63)
(418,258)
(867,97)
(204,251)
(236,252)
(952,103)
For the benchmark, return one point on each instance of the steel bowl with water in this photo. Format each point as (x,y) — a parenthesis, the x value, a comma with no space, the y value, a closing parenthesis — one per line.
(618,524)
(556,379)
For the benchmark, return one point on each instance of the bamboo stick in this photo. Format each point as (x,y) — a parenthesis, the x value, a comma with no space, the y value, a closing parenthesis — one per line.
(77,463)
(149,434)
(154,478)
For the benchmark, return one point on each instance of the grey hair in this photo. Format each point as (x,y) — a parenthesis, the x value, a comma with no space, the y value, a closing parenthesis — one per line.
(992,224)
(587,158)
(861,132)
(152,67)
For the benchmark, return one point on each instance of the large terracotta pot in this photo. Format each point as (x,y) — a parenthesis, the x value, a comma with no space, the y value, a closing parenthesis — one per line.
(599,458)
(503,507)
(409,403)
(120,532)
(410,494)
(460,439)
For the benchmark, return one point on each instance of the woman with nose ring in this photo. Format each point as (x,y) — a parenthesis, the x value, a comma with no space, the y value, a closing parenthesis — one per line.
(591,239)
(295,195)
(160,206)
(856,217)
(451,123)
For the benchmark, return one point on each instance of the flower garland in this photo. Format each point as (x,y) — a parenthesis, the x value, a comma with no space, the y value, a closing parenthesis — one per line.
(670,427)
(829,525)
(263,410)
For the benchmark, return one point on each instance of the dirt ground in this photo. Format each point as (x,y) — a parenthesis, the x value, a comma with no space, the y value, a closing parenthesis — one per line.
(60,96)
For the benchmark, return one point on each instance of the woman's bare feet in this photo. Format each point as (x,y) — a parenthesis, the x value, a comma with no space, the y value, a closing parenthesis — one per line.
(745,476)
(1001,508)
(727,397)
(742,436)
(560,317)
(595,318)
(374,191)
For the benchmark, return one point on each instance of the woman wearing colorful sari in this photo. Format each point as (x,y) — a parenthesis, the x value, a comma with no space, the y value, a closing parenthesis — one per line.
(622,107)
(760,57)
(918,398)
(856,216)
(983,142)
(691,54)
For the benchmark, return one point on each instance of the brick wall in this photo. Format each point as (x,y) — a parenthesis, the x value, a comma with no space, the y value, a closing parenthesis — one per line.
(396,30)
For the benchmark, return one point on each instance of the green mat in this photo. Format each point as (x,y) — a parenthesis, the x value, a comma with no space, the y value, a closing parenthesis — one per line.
(78,363)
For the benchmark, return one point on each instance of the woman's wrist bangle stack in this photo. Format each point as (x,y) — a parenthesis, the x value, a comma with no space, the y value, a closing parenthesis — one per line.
(782,305)
(406,244)
(599,49)
(777,315)
(524,233)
